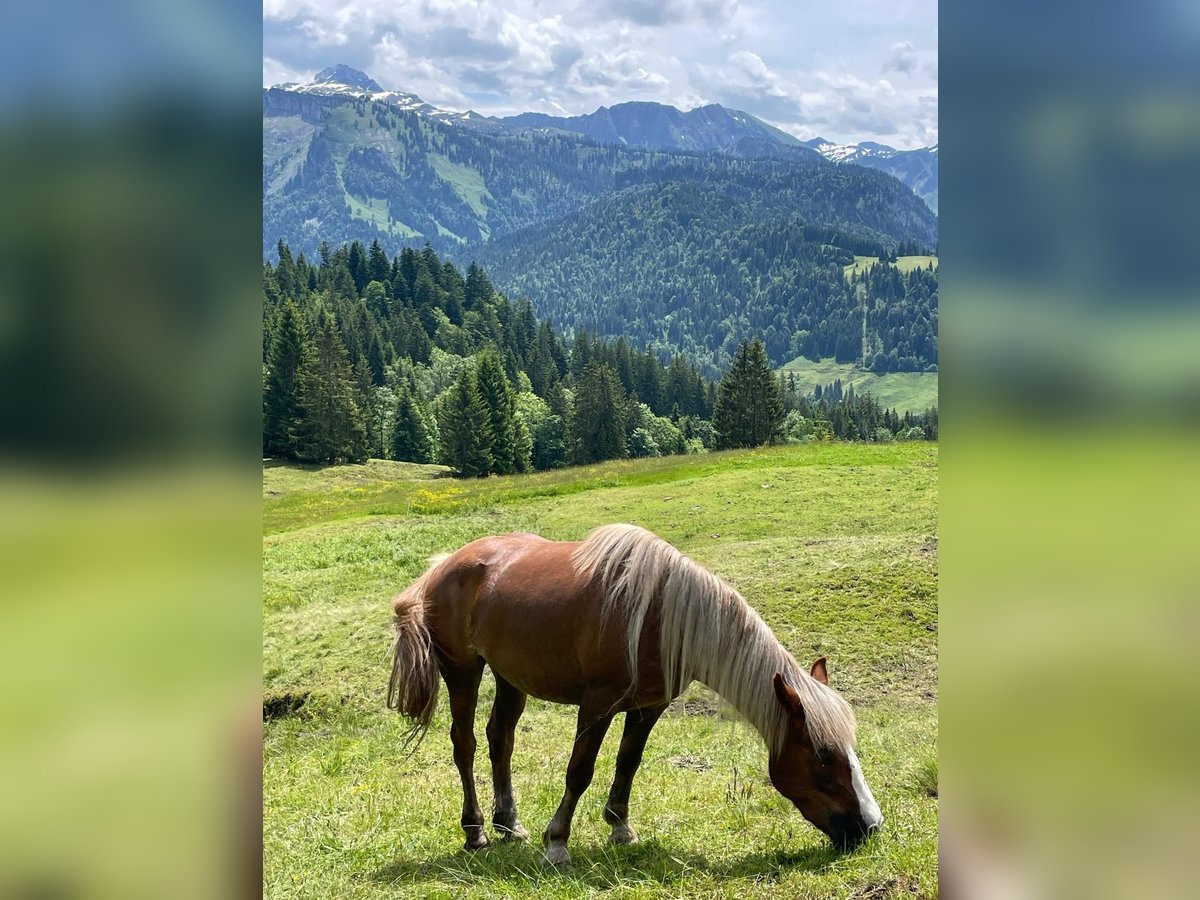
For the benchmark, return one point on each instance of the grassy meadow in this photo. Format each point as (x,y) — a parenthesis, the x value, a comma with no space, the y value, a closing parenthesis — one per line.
(903,263)
(834,544)
(903,391)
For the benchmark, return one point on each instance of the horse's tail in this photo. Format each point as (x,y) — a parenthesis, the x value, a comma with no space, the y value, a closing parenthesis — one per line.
(413,686)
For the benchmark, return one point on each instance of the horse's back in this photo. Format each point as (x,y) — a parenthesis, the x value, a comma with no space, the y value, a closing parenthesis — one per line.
(517,601)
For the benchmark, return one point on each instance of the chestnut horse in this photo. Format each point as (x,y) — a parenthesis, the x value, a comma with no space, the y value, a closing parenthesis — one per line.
(621,622)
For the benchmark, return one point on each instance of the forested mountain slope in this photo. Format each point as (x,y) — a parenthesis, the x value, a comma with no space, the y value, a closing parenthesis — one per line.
(700,269)
(690,251)
(339,168)
(916,168)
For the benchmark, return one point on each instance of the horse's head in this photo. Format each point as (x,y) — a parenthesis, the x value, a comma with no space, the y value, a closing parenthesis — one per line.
(826,785)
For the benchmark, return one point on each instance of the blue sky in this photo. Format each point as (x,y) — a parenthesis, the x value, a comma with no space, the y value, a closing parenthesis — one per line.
(851,70)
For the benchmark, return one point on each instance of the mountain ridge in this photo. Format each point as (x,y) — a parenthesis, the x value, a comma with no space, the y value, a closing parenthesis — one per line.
(649,124)
(916,168)
(344,153)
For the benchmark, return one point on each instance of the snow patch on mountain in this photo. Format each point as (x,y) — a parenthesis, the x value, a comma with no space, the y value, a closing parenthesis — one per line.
(343,81)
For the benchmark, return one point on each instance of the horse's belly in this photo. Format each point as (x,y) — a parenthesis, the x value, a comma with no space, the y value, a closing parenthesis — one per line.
(538,657)
(539,629)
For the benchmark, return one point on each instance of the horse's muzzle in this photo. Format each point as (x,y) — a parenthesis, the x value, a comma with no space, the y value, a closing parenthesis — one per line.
(847,832)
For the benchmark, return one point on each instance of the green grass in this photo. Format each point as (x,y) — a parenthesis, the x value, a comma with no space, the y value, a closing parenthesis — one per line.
(903,391)
(467,183)
(926,778)
(376,210)
(903,263)
(834,544)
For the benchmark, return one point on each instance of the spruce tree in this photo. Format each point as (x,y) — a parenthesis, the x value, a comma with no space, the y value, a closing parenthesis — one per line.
(598,420)
(281,391)
(748,411)
(378,266)
(766,411)
(497,397)
(331,426)
(410,437)
(464,431)
(365,398)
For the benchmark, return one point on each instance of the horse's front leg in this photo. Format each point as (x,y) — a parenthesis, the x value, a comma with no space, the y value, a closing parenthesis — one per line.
(463,688)
(501,727)
(638,725)
(589,735)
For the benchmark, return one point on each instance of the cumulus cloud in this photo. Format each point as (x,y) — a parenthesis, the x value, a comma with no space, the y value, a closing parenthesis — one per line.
(902,58)
(812,71)
(664,12)
(275,72)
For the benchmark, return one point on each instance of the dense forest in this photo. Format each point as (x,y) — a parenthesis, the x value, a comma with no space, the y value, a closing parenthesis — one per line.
(411,358)
(701,270)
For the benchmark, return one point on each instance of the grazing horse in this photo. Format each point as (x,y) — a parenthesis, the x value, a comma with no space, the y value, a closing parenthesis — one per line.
(621,622)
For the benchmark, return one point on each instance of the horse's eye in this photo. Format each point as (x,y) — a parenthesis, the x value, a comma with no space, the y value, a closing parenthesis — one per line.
(824,757)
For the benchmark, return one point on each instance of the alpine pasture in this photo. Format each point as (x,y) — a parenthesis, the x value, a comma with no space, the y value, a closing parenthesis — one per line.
(834,544)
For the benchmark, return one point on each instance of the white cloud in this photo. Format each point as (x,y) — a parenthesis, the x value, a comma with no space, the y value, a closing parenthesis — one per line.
(804,68)
(902,58)
(275,72)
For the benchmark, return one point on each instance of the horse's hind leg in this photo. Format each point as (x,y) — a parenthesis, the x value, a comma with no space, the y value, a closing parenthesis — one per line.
(463,687)
(506,711)
(589,735)
(638,725)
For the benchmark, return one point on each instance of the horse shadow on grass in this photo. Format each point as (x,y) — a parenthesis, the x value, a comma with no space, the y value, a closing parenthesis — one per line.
(598,866)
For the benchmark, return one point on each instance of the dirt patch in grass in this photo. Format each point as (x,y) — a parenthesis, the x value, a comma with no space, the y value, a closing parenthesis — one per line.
(280,706)
(697,706)
(686,761)
(896,886)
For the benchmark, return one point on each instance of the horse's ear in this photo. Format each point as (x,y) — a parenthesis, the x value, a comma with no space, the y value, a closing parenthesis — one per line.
(819,672)
(787,696)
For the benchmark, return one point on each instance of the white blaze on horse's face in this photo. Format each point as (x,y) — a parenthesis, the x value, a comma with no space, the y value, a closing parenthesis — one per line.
(868,808)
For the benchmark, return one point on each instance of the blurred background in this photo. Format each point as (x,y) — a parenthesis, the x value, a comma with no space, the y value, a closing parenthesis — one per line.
(1070,484)
(129,520)
(129,437)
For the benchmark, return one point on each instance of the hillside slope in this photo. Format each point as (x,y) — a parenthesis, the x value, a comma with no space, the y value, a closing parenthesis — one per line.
(696,268)
(343,166)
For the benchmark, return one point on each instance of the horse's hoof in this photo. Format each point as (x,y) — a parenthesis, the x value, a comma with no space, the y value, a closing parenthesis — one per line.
(515,832)
(476,842)
(623,834)
(556,857)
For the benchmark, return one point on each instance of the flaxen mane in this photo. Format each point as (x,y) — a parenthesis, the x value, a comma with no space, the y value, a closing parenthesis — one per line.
(710,634)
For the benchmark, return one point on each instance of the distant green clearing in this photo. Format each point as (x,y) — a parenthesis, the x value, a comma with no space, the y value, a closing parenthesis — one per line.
(903,391)
(376,211)
(467,183)
(903,263)
(834,544)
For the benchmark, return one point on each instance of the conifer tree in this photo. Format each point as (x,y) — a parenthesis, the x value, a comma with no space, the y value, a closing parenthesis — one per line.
(365,398)
(598,420)
(465,432)
(281,391)
(478,289)
(497,397)
(330,428)
(748,411)
(378,266)
(410,437)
